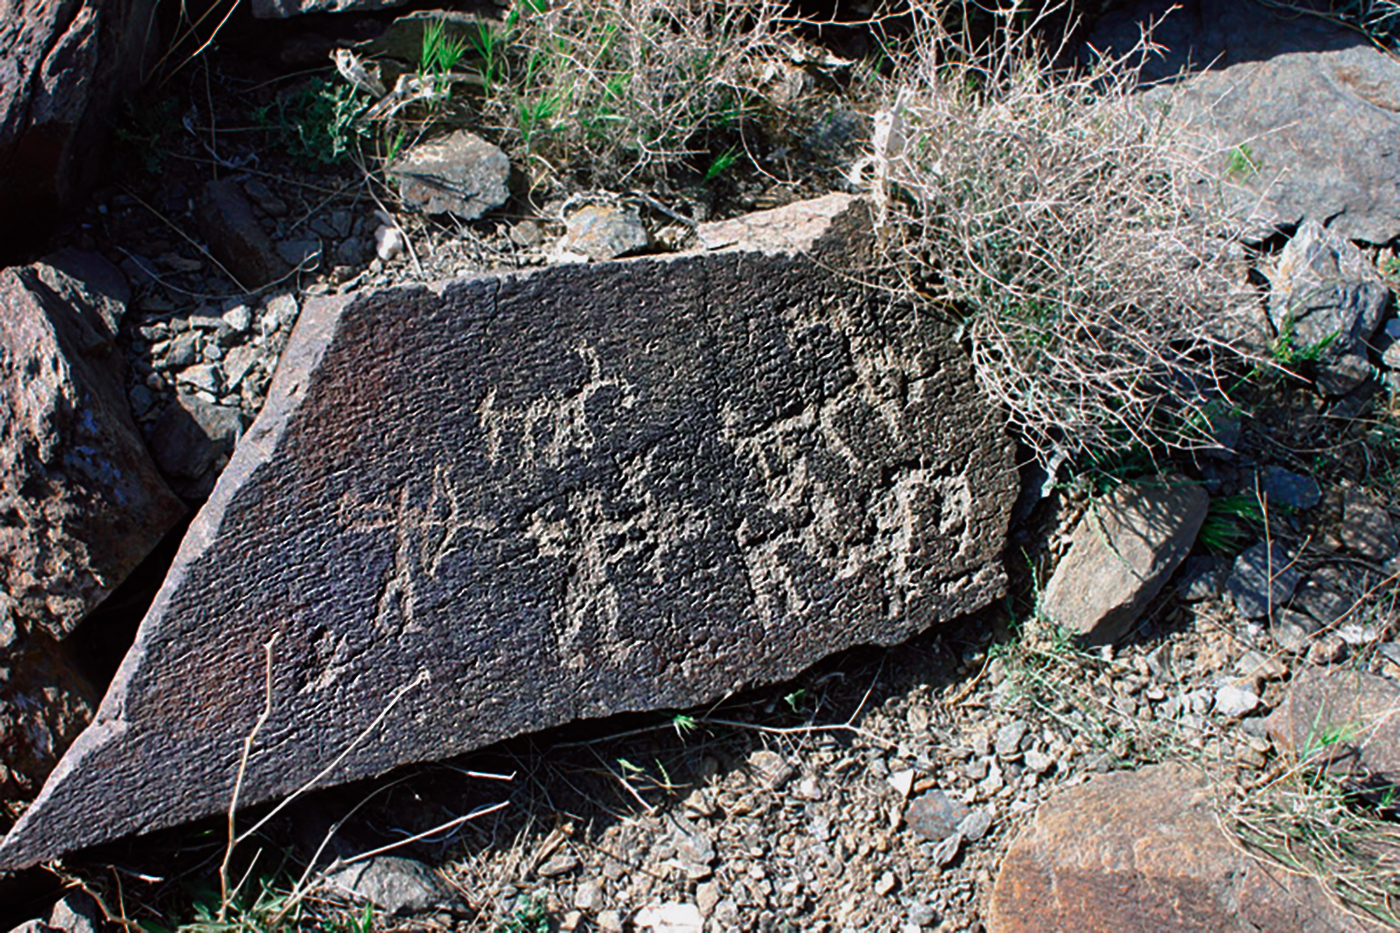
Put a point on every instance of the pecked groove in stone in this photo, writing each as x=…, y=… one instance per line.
x=503, y=503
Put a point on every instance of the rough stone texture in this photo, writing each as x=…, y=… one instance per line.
x=1351, y=717
x=460, y=174
x=505, y=503
x=604, y=231
x=236, y=238
x=44, y=705
x=1121, y=554
x=63, y=65
x=1366, y=527
x=284, y=9
x=1141, y=852
x=1317, y=104
x=1325, y=294
x=1264, y=577
x=393, y=884
x=188, y=440
x=81, y=503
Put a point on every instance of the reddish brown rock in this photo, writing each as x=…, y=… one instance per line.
x=44, y=704
x=1350, y=718
x=1121, y=554
x=1144, y=852
x=63, y=66
x=81, y=503
x=504, y=503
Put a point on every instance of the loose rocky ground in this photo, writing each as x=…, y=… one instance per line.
x=881, y=790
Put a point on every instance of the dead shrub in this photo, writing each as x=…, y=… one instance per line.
x=1066, y=224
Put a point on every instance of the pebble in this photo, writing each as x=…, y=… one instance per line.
x=935, y=816
x=886, y=884
x=1038, y=761
x=902, y=781
x=1008, y=740
x=1286, y=488
x=1292, y=631
x=771, y=769
x=1234, y=701
x=589, y=897
x=669, y=918
x=558, y=865
x=1329, y=649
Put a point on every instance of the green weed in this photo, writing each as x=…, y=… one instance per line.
x=721, y=164
x=1231, y=522
x=441, y=52
x=1241, y=163
x=320, y=122
x=530, y=916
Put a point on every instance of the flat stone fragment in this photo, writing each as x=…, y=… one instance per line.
x=1144, y=851
x=460, y=174
x=81, y=502
x=504, y=503
x=1121, y=554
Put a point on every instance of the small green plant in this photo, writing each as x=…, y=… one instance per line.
x=721, y=164
x=683, y=724
x=1287, y=353
x=320, y=122
x=441, y=52
x=1241, y=164
x=1231, y=521
x=530, y=916
x=796, y=700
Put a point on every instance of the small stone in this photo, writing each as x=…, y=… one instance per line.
x=1292, y=631
x=388, y=242
x=204, y=376
x=141, y=399
x=604, y=231
x=558, y=865
x=707, y=895
x=235, y=237
x=589, y=897
x=1233, y=701
x=771, y=769
x=1008, y=740
x=670, y=918
x=808, y=789
x=610, y=921
x=1329, y=649
x=1201, y=578
x=1255, y=664
x=1038, y=761
x=181, y=352
x=238, y=319
x=237, y=364
x=935, y=816
x=526, y=233
x=1294, y=490
x=460, y=174
x=885, y=884
x=396, y=885
x=947, y=850
x=1366, y=527
x=1322, y=596
x=301, y=253
x=902, y=781
x=975, y=825
x=1263, y=579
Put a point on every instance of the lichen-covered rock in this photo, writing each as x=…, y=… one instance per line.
x=504, y=503
x=81, y=503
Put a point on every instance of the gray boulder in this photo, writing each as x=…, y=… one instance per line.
x=1122, y=552
x=504, y=503
x=1313, y=105
x=1326, y=301
x=81, y=503
x=63, y=66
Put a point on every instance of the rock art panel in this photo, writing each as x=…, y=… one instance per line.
x=1314, y=104
x=504, y=503
x=81, y=502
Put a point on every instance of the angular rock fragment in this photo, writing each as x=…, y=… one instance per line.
x=1348, y=719
x=1122, y=552
x=504, y=503
x=236, y=238
x=1145, y=851
x=460, y=174
x=81, y=503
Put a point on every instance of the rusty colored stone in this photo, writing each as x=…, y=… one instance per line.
x=1142, y=852
x=505, y=503
x=1350, y=719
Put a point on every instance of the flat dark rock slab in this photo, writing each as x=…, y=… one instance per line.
x=505, y=503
